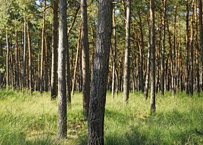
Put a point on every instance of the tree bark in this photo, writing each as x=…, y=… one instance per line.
x=163, y=48
x=187, y=51
x=100, y=74
x=54, y=51
x=46, y=65
x=127, y=48
x=85, y=59
x=17, y=65
x=152, y=44
x=7, y=60
x=201, y=35
x=11, y=64
x=191, y=50
x=30, y=57
x=24, y=53
x=113, y=53
x=42, y=50
x=196, y=52
x=62, y=104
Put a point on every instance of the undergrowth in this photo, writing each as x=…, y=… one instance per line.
x=26, y=119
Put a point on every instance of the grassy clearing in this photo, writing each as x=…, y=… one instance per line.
x=32, y=119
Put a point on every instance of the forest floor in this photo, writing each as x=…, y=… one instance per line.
x=26, y=119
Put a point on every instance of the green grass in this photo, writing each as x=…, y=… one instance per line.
x=26, y=119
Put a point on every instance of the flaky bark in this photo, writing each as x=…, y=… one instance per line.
x=100, y=74
x=62, y=104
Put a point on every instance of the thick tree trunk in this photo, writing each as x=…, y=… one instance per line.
x=127, y=49
x=196, y=52
x=201, y=35
x=54, y=51
x=62, y=104
x=30, y=57
x=152, y=45
x=42, y=50
x=163, y=48
x=100, y=74
x=17, y=66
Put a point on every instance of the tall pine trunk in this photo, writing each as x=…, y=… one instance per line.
x=11, y=64
x=54, y=51
x=30, y=59
x=201, y=35
x=7, y=60
x=16, y=57
x=114, y=53
x=127, y=49
x=42, y=49
x=163, y=48
x=187, y=51
x=152, y=45
x=62, y=104
x=24, y=53
x=100, y=74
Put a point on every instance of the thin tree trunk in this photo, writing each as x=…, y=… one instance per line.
x=76, y=62
x=54, y=51
x=85, y=59
x=163, y=48
x=62, y=104
x=113, y=52
x=127, y=48
x=191, y=50
x=7, y=60
x=46, y=65
x=42, y=50
x=100, y=74
x=24, y=53
x=196, y=52
x=11, y=65
x=30, y=57
x=141, y=55
x=187, y=50
x=201, y=35
x=17, y=66
x=180, y=60
x=152, y=44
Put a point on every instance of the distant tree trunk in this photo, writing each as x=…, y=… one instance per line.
x=196, y=52
x=152, y=45
x=42, y=50
x=187, y=51
x=11, y=64
x=54, y=51
x=158, y=54
x=24, y=53
x=201, y=34
x=180, y=60
x=127, y=48
x=148, y=69
x=62, y=104
x=113, y=52
x=163, y=48
x=191, y=50
x=76, y=62
x=17, y=68
x=7, y=60
x=141, y=55
x=174, y=58
x=100, y=74
x=46, y=65
x=30, y=57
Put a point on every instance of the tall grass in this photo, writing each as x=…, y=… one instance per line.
x=26, y=119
